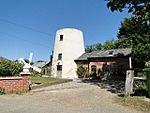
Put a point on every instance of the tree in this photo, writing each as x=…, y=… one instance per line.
x=9, y=68
x=98, y=46
x=89, y=48
x=109, y=44
x=133, y=33
x=139, y=8
x=132, y=26
x=82, y=72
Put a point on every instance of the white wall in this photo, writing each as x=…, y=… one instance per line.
x=71, y=48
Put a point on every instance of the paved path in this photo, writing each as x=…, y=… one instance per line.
x=73, y=97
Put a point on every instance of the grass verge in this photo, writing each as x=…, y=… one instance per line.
x=138, y=103
x=46, y=81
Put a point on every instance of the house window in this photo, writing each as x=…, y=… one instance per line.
x=60, y=56
x=61, y=38
x=59, y=67
x=93, y=69
x=110, y=52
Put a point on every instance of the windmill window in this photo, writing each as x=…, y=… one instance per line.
x=61, y=38
x=59, y=67
x=60, y=56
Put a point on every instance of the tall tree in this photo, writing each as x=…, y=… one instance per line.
x=133, y=33
x=139, y=8
x=89, y=48
x=98, y=46
x=109, y=44
x=93, y=47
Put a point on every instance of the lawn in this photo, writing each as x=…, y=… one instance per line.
x=45, y=81
x=136, y=102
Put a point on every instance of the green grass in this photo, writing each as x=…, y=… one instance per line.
x=44, y=81
x=135, y=102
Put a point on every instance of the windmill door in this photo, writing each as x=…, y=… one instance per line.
x=59, y=71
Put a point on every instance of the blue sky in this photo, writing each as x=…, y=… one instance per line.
x=30, y=25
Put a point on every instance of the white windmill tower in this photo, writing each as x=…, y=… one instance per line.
x=68, y=46
x=28, y=65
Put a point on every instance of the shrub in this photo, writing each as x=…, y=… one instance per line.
x=147, y=64
x=140, y=88
x=140, y=85
x=2, y=91
x=8, y=67
x=94, y=75
x=82, y=72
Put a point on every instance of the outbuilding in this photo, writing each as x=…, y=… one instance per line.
x=116, y=61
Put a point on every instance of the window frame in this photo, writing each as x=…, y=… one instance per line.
x=59, y=56
x=94, y=67
x=61, y=37
x=59, y=67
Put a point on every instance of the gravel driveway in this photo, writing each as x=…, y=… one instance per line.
x=70, y=97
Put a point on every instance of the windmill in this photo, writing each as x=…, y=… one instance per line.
x=28, y=65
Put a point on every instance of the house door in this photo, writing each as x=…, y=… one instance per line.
x=59, y=71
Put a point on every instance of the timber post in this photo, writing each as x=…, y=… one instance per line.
x=129, y=82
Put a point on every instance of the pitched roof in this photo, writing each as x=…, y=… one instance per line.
x=105, y=54
x=84, y=56
x=40, y=64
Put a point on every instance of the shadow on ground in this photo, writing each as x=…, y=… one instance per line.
x=114, y=86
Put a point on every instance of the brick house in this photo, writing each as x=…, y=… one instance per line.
x=116, y=60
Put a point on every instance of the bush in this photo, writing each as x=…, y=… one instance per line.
x=140, y=88
x=82, y=72
x=140, y=85
x=2, y=91
x=9, y=68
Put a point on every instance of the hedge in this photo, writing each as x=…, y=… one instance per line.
x=9, y=68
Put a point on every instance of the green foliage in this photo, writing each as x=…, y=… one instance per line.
x=9, y=68
x=109, y=44
x=139, y=8
x=133, y=33
x=89, y=48
x=82, y=72
x=136, y=35
x=94, y=47
x=98, y=46
x=147, y=64
x=135, y=29
x=140, y=85
x=2, y=91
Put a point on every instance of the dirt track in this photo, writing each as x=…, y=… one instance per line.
x=78, y=98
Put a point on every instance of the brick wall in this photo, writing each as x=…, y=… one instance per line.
x=12, y=84
x=118, y=66
x=111, y=61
